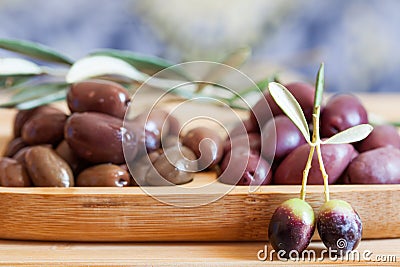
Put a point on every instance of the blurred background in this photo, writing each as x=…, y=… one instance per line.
x=357, y=39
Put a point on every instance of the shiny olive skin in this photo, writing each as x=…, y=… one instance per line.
x=140, y=167
x=24, y=115
x=98, y=96
x=48, y=169
x=377, y=166
x=291, y=227
x=44, y=129
x=336, y=159
x=97, y=138
x=14, y=146
x=280, y=131
x=381, y=136
x=339, y=226
x=103, y=175
x=250, y=140
x=207, y=144
x=242, y=166
x=176, y=166
x=340, y=113
x=304, y=94
x=66, y=153
x=13, y=174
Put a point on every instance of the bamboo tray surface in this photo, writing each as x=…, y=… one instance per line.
x=129, y=214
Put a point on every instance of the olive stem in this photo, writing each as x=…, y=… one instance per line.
x=305, y=173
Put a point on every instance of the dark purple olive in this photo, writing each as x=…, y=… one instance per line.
x=44, y=128
x=14, y=146
x=291, y=227
x=103, y=175
x=280, y=131
x=97, y=138
x=381, y=136
x=304, y=94
x=46, y=168
x=65, y=152
x=244, y=127
x=250, y=140
x=339, y=226
x=242, y=166
x=336, y=158
x=13, y=173
x=206, y=144
x=24, y=115
x=98, y=96
x=340, y=113
x=377, y=166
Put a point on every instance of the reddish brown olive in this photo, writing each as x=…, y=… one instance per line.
x=13, y=174
x=381, y=136
x=14, y=146
x=98, y=96
x=65, y=152
x=251, y=140
x=103, y=175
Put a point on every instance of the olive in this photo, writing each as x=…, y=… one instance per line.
x=377, y=166
x=98, y=96
x=304, y=94
x=103, y=175
x=46, y=168
x=336, y=158
x=24, y=115
x=66, y=153
x=291, y=227
x=280, y=137
x=44, y=129
x=206, y=144
x=12, y=173
x=250, y=140
x=340, y=113
x=141, y=166
x=339, y=226
x=244, y=127
x=97, y=138
x=14, y=146
x=381, y=136
x=243, y=166
x=176, y=166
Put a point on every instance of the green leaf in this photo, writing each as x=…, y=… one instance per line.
x=351, y=135
x=32, y=92
x=234, y=59
x=319, y=86
x=56, y=96
x=18, y=66
x=95, y=66
x=289, y=105
x=34, y=50
x=144, y=63
x=11, y=82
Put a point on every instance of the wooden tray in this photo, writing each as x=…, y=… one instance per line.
x=129, y=214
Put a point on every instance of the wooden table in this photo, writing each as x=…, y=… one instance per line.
x=31, y=253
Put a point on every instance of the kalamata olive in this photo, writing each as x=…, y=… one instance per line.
x=12, y=173
x=336, y=158
x=169, y=141
x=66, y=153
x=340, y=113
x=381, y=135
x=176, y=166
x=103, y=175
x=98, y=96
x=242, y=166
x=174, y=125
x=24, y=115
x=140, y=167
x=206, y=144
x=280, y=131
x=14, y=146
x=304, y=94
x=46, y=168
x=44, y=128
x=20, y=155
x=97, y=138
x=150, y=129
x=244, y=127
x=250, y=140
x=377, y=166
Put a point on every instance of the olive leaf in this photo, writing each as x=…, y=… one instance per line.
x=34, y=50
x=18, y=66
x=48, y=98
x=289, y=105
x=351, y=135
x=95, y=66
x=319, y=86
x=144, y=63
